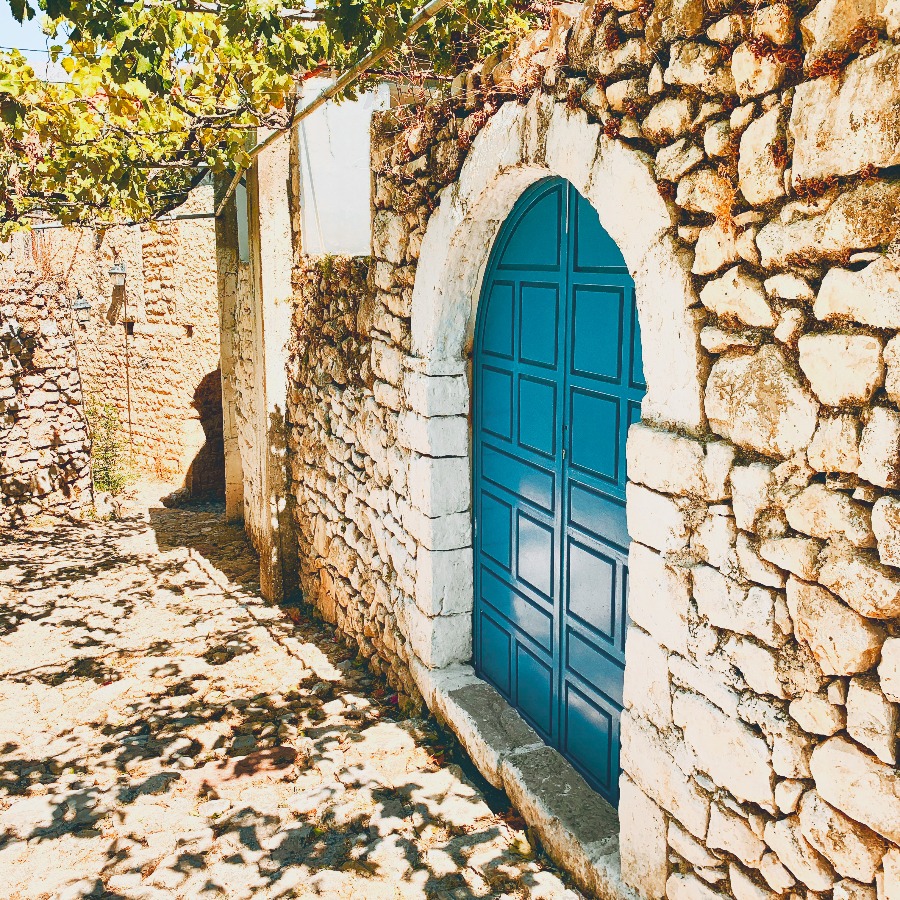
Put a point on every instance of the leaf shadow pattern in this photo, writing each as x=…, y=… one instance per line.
x=170, y=735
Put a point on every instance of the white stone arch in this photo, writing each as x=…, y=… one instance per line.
x=520, y=145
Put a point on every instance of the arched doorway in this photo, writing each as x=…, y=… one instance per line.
x=557, y=380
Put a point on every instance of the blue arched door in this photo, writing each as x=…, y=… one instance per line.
x=557, y=381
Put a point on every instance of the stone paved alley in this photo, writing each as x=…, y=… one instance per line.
x=164, y=733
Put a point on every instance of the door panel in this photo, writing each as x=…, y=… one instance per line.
x=558, y=380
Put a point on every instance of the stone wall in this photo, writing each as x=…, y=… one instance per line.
x=172, y=354
x=44, y=443
x=763, y=658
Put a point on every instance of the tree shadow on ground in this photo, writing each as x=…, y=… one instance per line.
x=196, y=756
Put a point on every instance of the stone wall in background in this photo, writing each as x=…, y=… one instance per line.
x=44, y=443
x=172, y=354
x=763, y=663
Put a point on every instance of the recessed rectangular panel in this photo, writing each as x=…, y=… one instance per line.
x=539, y=324
x=594, y=434
x=519, y=477
x=534, y=554
x=496, y=402
x=601, y=667
x=591, y=588
x=497, y=335
x=534, y=689
x=600, y=515
x=538, y=415
x=536, y=241
x=496, y=530
x=597, y=331
x=592, y=740
x=525, y=614
x=495, y=653
x=634, y=412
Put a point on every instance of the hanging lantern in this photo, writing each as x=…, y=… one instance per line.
x=118, y=273
x=82, y=309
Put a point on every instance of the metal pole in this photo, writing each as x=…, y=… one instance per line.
x=128, y=379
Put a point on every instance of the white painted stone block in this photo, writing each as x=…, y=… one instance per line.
x=655, y=519
x=444, y=581
x=439, y=641
x=436, y=436
x=439, y=487
x=659, y=597
x=642, y=842
x=431, y=395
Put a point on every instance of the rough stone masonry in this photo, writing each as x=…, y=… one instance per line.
x=763, y=659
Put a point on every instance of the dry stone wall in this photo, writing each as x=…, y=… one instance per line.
x=170, y=314
x=763, y=658
x=44, y=443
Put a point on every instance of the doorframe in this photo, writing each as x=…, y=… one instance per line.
x=520, y=145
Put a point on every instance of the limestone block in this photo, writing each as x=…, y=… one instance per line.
x=435, y=436
x=659, y=597
x=689, y=887
x=854, y=850
x=655, y=519
x=647, y=691
x=705, y=190
x=829, y=26
x=667, y=121
x=430, y=395
x=439, y=641
x=860, y=218
x=789, y=286
x=672, y=19
x=787, y=795
x=801, y=859
x=889, y=669
x=879, y=448
x=817, y=715
x=717, y=139
x=835, y=445
x=775, y=23
x=870, y=588
x=738, y=295
x=714, y=541
x=730, y=29
x=727, y=605
x=689, y=848
x=842, y=368
x=842, y=641
x=799, y=556
x=694, y=64
x=892, y=362
x=733, y=756
x=886, y=525
x=872, y=720
x=716, y=247
x=676, y=160
x=888, y=880
x=752, y=488
x=847, y=889
x=439, y=487
x=840, y=126
x=673, y=464
x=753, y=566
x=642, y=842
x=777, y=876
x=862, y=787
x=648, y=760
x=390, y=236
x=444, y=580
x=744, y=887
x=757, y=402
x=870, y=295
x=707, y=679
x=731, y=833
x=824, y=513
x=754, y=76
x=620, y=93
x=760, y=167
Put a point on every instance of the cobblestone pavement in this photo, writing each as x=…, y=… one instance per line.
x=164, y=733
